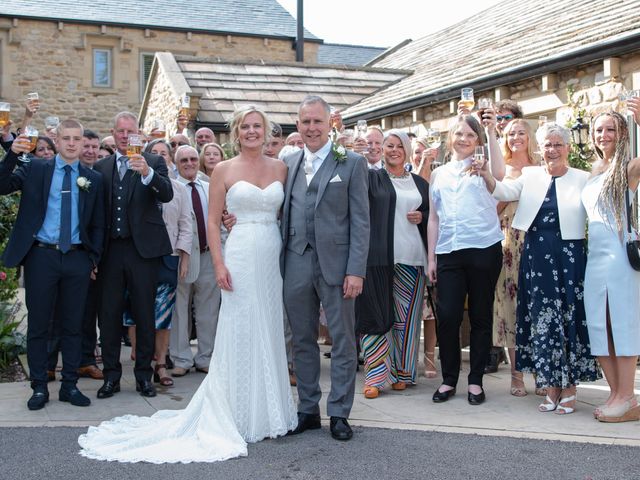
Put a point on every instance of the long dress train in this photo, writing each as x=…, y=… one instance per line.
x=246, y=397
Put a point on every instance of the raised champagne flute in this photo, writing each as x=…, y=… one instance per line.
x=185, y=103
x=466, y=98
x=33, y=102
x=483, y=104
x=434, y=140
x=361, y=127
x=5, y=111
x=478, y=161
x=32, y=134
x=542, y=119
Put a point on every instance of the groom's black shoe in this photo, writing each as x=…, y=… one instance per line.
x=73, y=396
x=340, y=429
x=39, y=398
x=146, y=388
x=108, y=389
x=306, y=421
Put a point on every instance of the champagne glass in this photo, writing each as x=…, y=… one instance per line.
x=466, y=98
x=50, y=125
x=135, y=143
x=158, y=128
x=361, y=126
x=185, y=103
x=478, y=160
x=5, y=110
x=32, y=133
x=542, y=119
x=33, y=102
x=433, y=138
x=483, y=104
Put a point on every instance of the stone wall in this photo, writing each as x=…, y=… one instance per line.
x=55, y=59
x=592, y=90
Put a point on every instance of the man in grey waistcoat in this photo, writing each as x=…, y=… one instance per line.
x=325, y=232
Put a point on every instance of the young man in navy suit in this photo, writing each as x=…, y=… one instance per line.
x=58, y=237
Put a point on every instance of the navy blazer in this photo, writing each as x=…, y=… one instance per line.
x=146, y=225
x=34, y=180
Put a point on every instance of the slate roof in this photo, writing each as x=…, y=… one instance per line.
x=500, y=42
x=277, y=88
x=265, y=18
x=354, y=55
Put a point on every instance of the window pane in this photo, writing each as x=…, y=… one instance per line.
x=102, y=68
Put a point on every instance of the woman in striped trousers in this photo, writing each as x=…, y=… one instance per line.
x=388, y=313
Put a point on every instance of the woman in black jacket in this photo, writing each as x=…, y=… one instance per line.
x=388, y=313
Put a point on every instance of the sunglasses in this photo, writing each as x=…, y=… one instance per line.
x=177, y=144
x=504, y=117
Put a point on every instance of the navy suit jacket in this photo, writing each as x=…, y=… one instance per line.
x=34, y=180
x=146, y=225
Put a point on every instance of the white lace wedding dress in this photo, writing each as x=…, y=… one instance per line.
x=246, y=396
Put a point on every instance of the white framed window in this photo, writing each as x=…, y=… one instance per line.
x=102, y=71
x=146, y=61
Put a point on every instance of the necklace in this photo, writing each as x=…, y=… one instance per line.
x=405, y=174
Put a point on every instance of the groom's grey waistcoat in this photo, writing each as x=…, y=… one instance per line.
x=302, y=211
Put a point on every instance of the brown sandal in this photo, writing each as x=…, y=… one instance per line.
x=164, y=381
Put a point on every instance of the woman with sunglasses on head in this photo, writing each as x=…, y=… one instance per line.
x=611, y=286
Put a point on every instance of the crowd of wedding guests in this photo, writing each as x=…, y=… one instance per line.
x=492, y=222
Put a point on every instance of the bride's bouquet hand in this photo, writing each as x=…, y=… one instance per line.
x=223, y=278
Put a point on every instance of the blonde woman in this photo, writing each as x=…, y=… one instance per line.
x=210, y=155
x=612, y=287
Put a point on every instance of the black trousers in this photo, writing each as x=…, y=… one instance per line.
x=55, y=282
x=123, y=269
x=89, y=331
x=473, y=272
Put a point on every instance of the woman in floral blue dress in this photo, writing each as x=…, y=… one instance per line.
x=552, y=340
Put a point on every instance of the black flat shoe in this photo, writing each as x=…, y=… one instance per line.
x=74, y=397
x=476, y=399
x=38, y=399
x=441, y=397
x=146, y=388
x=340, y=429
x=306, y=421
x=108, y=389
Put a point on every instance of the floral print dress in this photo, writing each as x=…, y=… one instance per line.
x=551, y=338
x=504, y=304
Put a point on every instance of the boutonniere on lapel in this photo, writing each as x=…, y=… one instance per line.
x=83, y=183
x=339, y=152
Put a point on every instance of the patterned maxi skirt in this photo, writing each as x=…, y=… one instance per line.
x=393, y=356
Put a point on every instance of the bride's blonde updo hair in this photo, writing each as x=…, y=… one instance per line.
x=237, y=119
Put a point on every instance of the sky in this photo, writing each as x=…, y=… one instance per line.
x=374, y=23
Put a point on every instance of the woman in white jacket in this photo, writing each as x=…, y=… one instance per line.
x=552, y=340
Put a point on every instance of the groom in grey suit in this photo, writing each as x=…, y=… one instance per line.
x=325, y=232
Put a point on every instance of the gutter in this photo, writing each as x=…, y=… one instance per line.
x=565, y=61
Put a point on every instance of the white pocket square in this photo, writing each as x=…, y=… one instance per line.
x=335, y=179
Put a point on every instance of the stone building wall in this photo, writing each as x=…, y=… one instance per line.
x=55, y=59
x=592, y=90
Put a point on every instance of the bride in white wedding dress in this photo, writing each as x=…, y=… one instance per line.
x=246, y=396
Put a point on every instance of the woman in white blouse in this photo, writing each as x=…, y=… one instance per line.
x=389, y=311
x=465, y=253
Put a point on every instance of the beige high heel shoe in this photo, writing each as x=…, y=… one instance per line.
x=430, y=370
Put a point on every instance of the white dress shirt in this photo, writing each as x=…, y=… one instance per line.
x=467, y=216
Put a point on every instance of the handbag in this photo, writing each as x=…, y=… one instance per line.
x=633, y=246
x=168, y=270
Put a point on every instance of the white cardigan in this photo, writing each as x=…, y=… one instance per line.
x=530, y=189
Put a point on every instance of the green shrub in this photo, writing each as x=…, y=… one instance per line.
x=12, y=342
